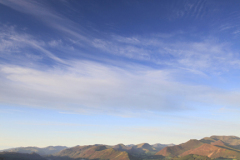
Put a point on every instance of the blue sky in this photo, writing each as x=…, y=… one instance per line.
x=87, y=72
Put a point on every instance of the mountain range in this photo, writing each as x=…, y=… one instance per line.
x=208, y=148
x=41, y=151
x=212, y=147
x=116, y=152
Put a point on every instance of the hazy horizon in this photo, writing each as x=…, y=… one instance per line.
x=109, y=72
x=75, y=145
x=7, y=147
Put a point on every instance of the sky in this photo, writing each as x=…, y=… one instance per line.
x=79, y=72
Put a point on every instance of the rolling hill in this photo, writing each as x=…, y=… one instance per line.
x=176, y=150
x=212, y=147
x=94, y=152
x=41, y=151
x=122, y=147
x=213, y=152
x=139, y=150
x=231, y=141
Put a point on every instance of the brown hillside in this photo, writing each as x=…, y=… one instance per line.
x=139, y=150
x=146, y=147
x=142, y=149
x=207, y=140
x=170, y=151
x=218, y=143
x=179, y=149
x=94, y=152
x=213, y=152
x=121, y=147
x=231, y=141
x=143, y=145
x=227, y=139
x=159, y=146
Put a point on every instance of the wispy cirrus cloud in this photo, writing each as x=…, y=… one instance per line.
x=203, y=55
x=85, y=86
x=89, y=87
x=166, y=70
x=15, y=44
x=208, y=55
x=79, y=85
x=51, y=18
x=189, y=9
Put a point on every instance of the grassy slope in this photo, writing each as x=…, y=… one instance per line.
x=213, y=147
x=94, y=152
x=213, y=151
x=231, y=141
x=179, y=149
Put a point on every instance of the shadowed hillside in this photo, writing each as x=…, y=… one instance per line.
x=140, y=150
x=122, y=147
x=159, y=146
x=20, y=156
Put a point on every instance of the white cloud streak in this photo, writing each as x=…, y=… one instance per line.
x=207, y=55
x=51, y=18
x=14, y=43
x=88, y=87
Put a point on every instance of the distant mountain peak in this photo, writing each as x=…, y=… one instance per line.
x=100, y=148
x=120, y=147
x=94, y=152
x=120, y=144
x=143, y=145
x=212, y=147
x=41, y=151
